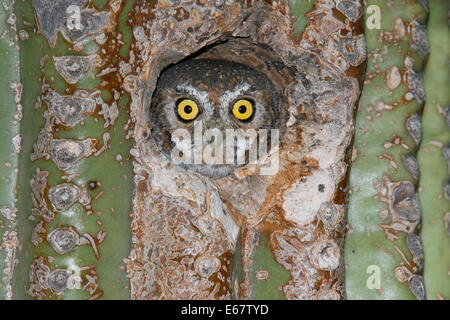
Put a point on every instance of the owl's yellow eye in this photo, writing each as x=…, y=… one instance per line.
x=187, y=109
x=242, y=109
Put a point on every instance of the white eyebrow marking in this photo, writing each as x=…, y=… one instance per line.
x=231, y=94
x=203, y=95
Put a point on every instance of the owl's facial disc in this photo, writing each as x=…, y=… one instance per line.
x=198, y=103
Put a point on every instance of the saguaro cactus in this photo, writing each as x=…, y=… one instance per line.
x=91, y=209
x=433, y=158
x=383, y=250
x=71, y=212
x=296, y=251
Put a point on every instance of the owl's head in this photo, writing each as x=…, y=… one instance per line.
x=200, y=106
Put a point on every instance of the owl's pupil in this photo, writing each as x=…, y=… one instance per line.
x=242, y=109
x=188, y=109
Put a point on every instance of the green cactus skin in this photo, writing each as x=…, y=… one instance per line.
x=433, y=165
x=262, y=259
x=299, y=9
x=101, y=222
x=10, y=99
x=381, y=143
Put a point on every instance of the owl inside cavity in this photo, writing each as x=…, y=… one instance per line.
x=218, y=95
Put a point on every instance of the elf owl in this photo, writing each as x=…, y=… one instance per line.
x=211, y=100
